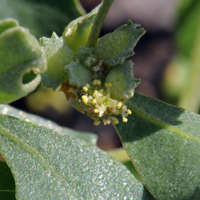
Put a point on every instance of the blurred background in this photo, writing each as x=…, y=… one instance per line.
x=167, y=58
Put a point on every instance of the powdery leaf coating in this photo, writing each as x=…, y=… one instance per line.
x=9, y=110
x=163, y=143
x=78, y=75
x=49, y=165
x=122, y=80
x=115, y=47
x=20, y=54
x=58, y=55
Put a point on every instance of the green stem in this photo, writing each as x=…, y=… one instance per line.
x=98, y=22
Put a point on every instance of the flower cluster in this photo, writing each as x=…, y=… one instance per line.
x=96, y=101
x=98, y=78
x=99, y=95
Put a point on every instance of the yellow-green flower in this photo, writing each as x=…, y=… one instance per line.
x=98, y=79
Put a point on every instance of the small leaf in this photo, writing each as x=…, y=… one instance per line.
x=78, y=31
x=163, y=143
x=8, y=110
x=7, y=184
x=58, y=55
x=115, y=47
x=122, y=80
x=78, y=74
x=50, y=165
x=20, y=53
x=86, y=57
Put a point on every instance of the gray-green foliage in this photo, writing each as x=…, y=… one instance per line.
x=163, y=143
x=20, y=52
x=52, y=165
x=51, y=162
x=41, y=16
x=8, y=110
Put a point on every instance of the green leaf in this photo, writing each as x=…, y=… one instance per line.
x=71, y=8
x=58, y=55
x=115, y=47
x=78, y=31
x=41, y=16
x=7, y=183
x=86, y=57
x=163, y=143
x=122, y=80
x=8, y=110
x=50, y=165
x=78, y=74
x=20, y=54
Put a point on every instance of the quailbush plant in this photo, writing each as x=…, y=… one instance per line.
x=46, y=161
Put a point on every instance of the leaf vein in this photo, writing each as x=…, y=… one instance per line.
x=159, y=122
x=33, y=151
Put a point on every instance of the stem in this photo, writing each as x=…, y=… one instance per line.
x=98, y=22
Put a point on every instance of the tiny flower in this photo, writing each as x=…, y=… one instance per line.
x=98, y=79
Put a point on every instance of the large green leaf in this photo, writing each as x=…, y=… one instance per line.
x=41, y=16
x=163, y=143
x=8, y=110
x=50, y=165
x=7, y=184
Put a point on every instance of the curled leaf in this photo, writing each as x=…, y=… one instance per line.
x=20, y=54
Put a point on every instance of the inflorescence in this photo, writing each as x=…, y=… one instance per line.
x=96, y=101
x=101, y=105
